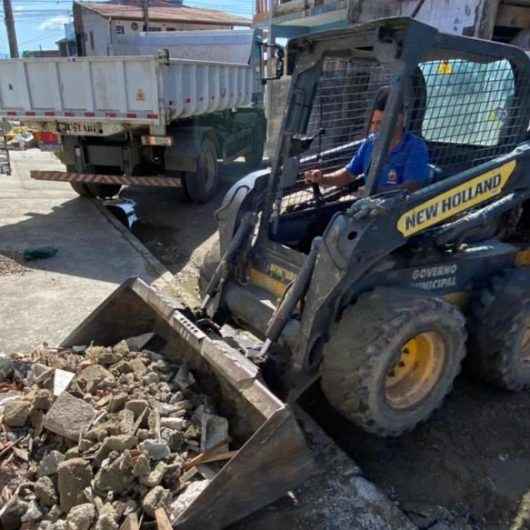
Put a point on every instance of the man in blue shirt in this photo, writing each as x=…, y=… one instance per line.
x=407, y=162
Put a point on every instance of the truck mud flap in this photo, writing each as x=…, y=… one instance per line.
x=272, y=454
x=92, y=178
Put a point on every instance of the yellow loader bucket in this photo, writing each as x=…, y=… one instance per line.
x=272, y=456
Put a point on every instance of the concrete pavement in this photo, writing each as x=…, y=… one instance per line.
x=54, y=295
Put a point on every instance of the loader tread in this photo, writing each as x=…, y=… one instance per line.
x=500, y=316
x=357, y=353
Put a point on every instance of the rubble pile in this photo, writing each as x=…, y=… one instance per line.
x=100, y=437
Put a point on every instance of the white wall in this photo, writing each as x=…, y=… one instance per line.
x=96, y=29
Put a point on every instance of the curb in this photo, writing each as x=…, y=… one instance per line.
x=159, y=275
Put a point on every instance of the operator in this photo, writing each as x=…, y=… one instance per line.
x=407, y=165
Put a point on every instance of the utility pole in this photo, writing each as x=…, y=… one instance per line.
x=145, y=7
x=10, y=26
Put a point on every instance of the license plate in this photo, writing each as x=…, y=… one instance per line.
x=81, y=128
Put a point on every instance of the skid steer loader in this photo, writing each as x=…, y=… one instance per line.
x=383, y=296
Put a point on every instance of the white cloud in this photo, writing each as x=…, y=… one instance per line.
x=54, y=23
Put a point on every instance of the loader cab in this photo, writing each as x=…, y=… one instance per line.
x=467, y=99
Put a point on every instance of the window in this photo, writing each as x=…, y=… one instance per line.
x=170, y=29
x=467, y=103
x=154, y=28
x=120, y=29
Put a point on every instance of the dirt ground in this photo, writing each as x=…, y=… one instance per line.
x=468, y=466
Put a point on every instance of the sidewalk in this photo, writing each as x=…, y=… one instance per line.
x=50, y=297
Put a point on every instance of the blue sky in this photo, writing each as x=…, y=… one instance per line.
x=40, y=23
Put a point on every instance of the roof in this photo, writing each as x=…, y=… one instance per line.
x=182, y=14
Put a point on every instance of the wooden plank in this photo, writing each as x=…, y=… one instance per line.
x=162, y=520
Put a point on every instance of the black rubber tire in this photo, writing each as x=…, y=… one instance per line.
x=254, y=157
x=104, y=191
x=498, y=321
x=201, y=186
x=212, y=257
x=367, y=342
x=81, y=189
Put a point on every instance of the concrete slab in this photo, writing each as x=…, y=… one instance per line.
x=52, y=296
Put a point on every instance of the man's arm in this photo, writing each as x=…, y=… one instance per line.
x=341, y=177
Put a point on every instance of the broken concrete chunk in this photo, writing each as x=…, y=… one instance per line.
x=138, y=367
x=81, y=517
x=16, y=413
x=175, y=424
x=141, y=467
x=156, y=476
x=106, y=522
x=126, y=417
x=122, y=348
x=42, y=399
x=61, y=381
x=179, y=506
x=155, y=449
x=96, y=377
x=137, y=406
x=45, y=491
x=150, y=378
x=115, y=443
x=6, y=368
x=139, y=342
x=115, y=476
x=184, y=378
x=69, y=416
x=36, y=419
x=73, y=477
x=214, y=432
x=49, y=464
x=156, y=498
x=117, y=402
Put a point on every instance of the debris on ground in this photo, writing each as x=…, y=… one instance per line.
x=11, y=262
x=103, y=437
x=31, y=254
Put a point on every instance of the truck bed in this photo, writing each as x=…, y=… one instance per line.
x=85, y=95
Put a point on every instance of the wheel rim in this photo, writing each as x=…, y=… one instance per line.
x=416, y=372
x=209, y=170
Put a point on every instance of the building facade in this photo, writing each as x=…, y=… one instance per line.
x=502, y=20
x=98, y=24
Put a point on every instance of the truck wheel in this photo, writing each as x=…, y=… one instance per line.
x=254, y=156
x=81, y=189
x=201, y=186
x=499, y=332
x=392, y=358
x=104, y=191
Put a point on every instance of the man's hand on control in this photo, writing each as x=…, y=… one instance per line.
x=313, y=176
